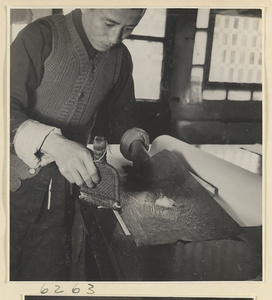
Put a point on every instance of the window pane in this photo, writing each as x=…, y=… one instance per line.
x=147, y=66
x=199, y=52
x=152, y=23
x=236, y=50
x=203, y=15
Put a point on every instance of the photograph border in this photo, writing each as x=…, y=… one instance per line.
x=251, y=289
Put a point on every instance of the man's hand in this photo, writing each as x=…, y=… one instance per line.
x=140, y=157
x=138, y=152
x=75, y=161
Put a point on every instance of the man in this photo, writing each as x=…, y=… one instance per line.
x=70, y=76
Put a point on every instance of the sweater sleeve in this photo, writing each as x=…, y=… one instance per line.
x=27, y=55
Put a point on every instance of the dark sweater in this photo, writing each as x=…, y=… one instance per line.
x=73, y=85
x=58, y=79
x=30, y=50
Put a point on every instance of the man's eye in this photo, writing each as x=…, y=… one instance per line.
x=129, y=28
x=109, y=24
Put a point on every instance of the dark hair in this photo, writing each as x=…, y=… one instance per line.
x=143, y=9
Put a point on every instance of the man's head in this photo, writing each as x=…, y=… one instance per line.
x=108, y=27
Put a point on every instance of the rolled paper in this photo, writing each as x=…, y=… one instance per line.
x=239, y=191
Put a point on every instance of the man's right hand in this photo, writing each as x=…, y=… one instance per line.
x=75, y=161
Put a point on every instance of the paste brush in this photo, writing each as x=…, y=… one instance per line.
x=106, y=194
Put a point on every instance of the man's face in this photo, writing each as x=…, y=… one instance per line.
x=108, y=27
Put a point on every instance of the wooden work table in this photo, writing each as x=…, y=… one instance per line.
x=118, y=258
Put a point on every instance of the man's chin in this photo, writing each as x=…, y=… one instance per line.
x=102, y=47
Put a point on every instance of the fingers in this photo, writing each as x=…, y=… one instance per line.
x=82, y=179
x=67, y=175
x=80, y=169
x=75, y=162
x=86, y=177
x=91, y=169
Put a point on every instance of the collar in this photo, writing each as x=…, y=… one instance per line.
x=79, y=27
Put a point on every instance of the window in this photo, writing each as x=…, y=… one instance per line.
x=219, y=107
x=227, y=60
x=236, y=50
x=234, y=53
x=146, y=46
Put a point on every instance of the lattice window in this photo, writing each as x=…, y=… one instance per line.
x=236, y=50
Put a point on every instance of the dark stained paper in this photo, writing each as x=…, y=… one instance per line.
x=196, y=216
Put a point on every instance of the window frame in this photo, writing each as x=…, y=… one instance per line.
x=167, y=59
x=210, y=33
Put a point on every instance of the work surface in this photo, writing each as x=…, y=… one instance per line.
x=119, y=258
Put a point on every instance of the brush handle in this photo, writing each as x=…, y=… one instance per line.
x=100, y=148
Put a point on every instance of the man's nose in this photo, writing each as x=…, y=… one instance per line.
x=114, y=35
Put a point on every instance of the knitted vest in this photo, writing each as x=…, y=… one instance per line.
x=73, y=86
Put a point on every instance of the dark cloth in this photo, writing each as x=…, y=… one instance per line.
x=40, y=247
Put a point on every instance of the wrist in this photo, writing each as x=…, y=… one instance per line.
x=130, y=136
x=28, y=142
x=52, y=142
x=138, y=151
